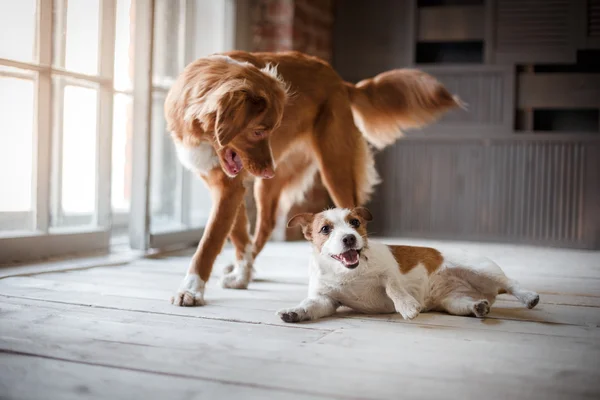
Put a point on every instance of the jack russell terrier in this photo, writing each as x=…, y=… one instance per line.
x=348, y=270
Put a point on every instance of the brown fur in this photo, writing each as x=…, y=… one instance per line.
x=311, y=227
x=227, y=196
x=408, y=257
x=397, y=100
x=363, y=215
x=226, y=104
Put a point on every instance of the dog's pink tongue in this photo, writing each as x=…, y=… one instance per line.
x=350, y=257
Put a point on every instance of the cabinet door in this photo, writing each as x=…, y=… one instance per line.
x=535, y=31
x=592, y=26
x=488, y=91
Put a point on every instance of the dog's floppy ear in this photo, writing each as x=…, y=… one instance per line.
x=235, y=110
x=364, y=213
x=305, y=221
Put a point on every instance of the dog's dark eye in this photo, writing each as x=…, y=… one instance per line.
x=259, y=133
x=326, y=229
x=354, y=223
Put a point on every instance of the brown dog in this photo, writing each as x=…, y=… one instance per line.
x=283, y=117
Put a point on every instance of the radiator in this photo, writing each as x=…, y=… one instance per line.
x=511, y=190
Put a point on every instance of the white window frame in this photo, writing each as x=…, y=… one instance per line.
x=142, y=237
x=45, y=240
x=197, y=37
x=222, y=15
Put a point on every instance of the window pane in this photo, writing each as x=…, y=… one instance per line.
x=18, y=22
x=124, y=45
x=164, y=165
x=16, y=153
x=166, y=52
x=78, y=167
x=82, y=32
x=121, y=152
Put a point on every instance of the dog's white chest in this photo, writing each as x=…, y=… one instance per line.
x=366, y=294
x=199, y=159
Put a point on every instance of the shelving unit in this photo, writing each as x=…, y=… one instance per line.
x=528, y=148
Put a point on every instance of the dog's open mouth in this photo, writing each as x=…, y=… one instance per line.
x=349, y=258
x=232, y=162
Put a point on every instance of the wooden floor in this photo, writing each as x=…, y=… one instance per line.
x=110, y=333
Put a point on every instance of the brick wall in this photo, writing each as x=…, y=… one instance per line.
x=302, y=25
x=306, y=26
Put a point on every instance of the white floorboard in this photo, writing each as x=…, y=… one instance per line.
x=110, y=333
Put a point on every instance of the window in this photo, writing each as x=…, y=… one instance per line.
x=74, y=83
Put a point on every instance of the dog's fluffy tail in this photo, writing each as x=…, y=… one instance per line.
x=401, y=99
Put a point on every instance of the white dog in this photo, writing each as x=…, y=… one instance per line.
x=348, y=270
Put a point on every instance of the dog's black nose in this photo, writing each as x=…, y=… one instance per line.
x=349, y=240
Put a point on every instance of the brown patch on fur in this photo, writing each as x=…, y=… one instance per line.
x=305, y=221
x=363, y=216
x=408, y=257
x=317, y=237
x=227, y=103
x=312, y=224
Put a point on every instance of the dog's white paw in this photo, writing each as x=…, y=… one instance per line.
x=481, y=308
x=293, y=314
x=239, y=277
x=190, y=292
x=531, y=299
x=409, y=309
x=228, y=269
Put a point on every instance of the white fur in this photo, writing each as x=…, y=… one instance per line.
x=341, y=228
x=464, y=284
x=199, y=159
x=269, y=69
x=190, y=292
x=297, y=193
x=367, y=182
x=239, y=275
x=230, y=60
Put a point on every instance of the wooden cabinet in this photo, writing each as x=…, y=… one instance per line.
x=521, y=164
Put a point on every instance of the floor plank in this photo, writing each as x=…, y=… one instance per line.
x=66, y=334
x=286, y=356
x=32, y=378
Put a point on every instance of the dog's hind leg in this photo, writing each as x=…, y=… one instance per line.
x=239, y=274
x=503, y=284
x=527, y=297
x=293, y=177
x=485, y=276
x=462, y=304
x=266, y=194
x=343, y=157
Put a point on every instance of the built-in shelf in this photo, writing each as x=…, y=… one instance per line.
x=451, y=23
x=576, y=120
x=450, y=53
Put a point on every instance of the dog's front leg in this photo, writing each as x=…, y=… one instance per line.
x=404, y=302
x=311, y=308
x=227, y=194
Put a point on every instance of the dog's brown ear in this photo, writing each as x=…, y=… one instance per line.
x=305, y=221
x=235, y=110
x=364, y=213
